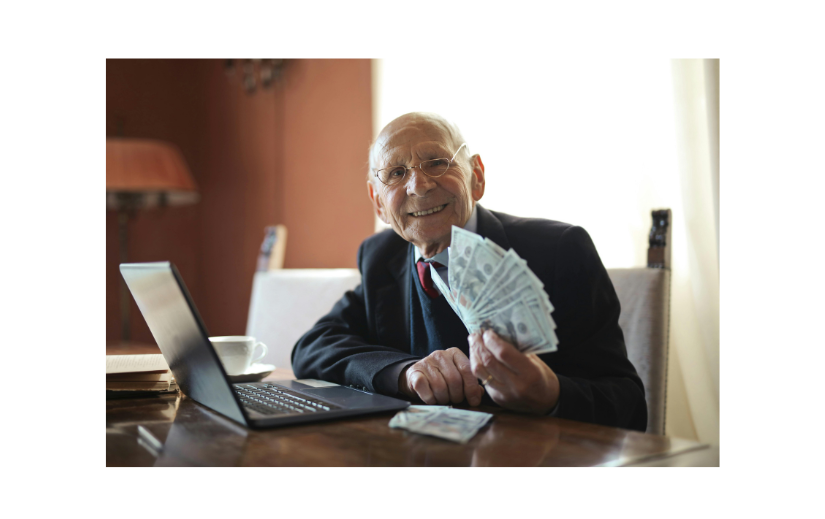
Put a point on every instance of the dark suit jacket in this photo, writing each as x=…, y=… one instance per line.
x=369, y=328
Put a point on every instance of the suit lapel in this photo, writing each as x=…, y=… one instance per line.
x=490, y=227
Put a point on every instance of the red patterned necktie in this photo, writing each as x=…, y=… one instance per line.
x=425, y=279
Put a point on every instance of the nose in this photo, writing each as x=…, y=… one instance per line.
x=418, y=183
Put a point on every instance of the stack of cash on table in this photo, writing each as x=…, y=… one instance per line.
x=491, y=288
x=457, y=425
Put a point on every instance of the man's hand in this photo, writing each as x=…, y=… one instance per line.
x=513, y=380
x=442, y=377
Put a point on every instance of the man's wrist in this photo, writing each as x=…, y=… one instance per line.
x=554, y=392
x=403, y=386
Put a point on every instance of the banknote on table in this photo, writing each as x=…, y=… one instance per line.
x=493, y=288
x=458, y=425
x=412, y=413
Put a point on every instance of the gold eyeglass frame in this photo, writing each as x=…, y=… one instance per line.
x=401, y=178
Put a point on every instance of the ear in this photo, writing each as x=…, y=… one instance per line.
x=376, y=202
x=477, y=181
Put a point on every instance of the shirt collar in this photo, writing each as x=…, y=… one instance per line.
x=443, y=257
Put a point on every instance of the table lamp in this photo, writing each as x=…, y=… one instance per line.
x=143, y=174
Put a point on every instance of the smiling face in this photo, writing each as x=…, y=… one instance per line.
x=422, y=209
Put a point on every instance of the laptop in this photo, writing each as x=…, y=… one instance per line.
x=174, y=321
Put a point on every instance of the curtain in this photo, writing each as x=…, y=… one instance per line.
x=694, y=333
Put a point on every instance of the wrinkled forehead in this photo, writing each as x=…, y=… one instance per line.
x=410, y=140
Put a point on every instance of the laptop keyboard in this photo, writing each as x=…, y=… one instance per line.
x=277, y=400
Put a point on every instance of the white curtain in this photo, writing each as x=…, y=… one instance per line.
x=598, y=144
x=695, y=333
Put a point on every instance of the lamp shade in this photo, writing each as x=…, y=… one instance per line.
x=147, y=172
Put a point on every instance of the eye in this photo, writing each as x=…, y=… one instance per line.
x=439, y=163
x=397, y=172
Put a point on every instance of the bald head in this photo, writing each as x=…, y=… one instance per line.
x=438, y=126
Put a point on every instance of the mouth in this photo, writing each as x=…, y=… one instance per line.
x=429, y=211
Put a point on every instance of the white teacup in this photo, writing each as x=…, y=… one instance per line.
x=236, y=352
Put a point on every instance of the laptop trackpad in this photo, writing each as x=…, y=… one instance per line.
x=316, y=383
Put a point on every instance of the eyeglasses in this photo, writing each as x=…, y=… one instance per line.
x=432, y=168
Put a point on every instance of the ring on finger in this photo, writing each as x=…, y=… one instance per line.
x=486, y=380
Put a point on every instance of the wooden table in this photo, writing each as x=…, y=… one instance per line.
x=177, y=431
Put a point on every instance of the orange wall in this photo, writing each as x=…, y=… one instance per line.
x=295, y=154
x=157, y=99
x=325, y=158
x=241, y=178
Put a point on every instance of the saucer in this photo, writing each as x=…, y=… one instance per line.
x=255, y=373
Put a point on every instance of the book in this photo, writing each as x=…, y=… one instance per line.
x=148, y=376
x=138, y=375
x=137, y=385
x=135, y=363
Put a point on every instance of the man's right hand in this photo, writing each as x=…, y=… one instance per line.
x=444, y=376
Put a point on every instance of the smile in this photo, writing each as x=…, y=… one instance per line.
x=429, y=211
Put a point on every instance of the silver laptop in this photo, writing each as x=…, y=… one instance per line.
x=181, y=335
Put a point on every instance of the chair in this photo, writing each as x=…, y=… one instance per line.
x=644, y=294
x=285, y=303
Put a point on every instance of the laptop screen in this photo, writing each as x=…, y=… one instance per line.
x=178, y=330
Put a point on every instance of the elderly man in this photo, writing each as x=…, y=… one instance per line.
x=396, y=335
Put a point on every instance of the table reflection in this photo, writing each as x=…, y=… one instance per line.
x=177, y=431
x=497, y=448
x=200, y=437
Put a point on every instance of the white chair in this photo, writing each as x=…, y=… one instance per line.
x=285, y=303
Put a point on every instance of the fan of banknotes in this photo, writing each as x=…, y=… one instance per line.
x=491, y=288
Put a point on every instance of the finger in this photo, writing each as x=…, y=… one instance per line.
x=505, y=353
x=452, y=376
x=502, y=375
x=497, y=395
x=419, y=383
x=437, y=384
x=476, y=364
x=472, y=390
x=495, y=387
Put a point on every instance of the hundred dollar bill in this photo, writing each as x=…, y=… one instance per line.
x=481, y=266
x=494, y=248
x=515, y=324
x=538, y=283
x=517, y=280
x=414, y=413
x=457, y=425
x=461, y=248
x=508, y=261
x=518, y=285
x=492, y=304
x=545, y=323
